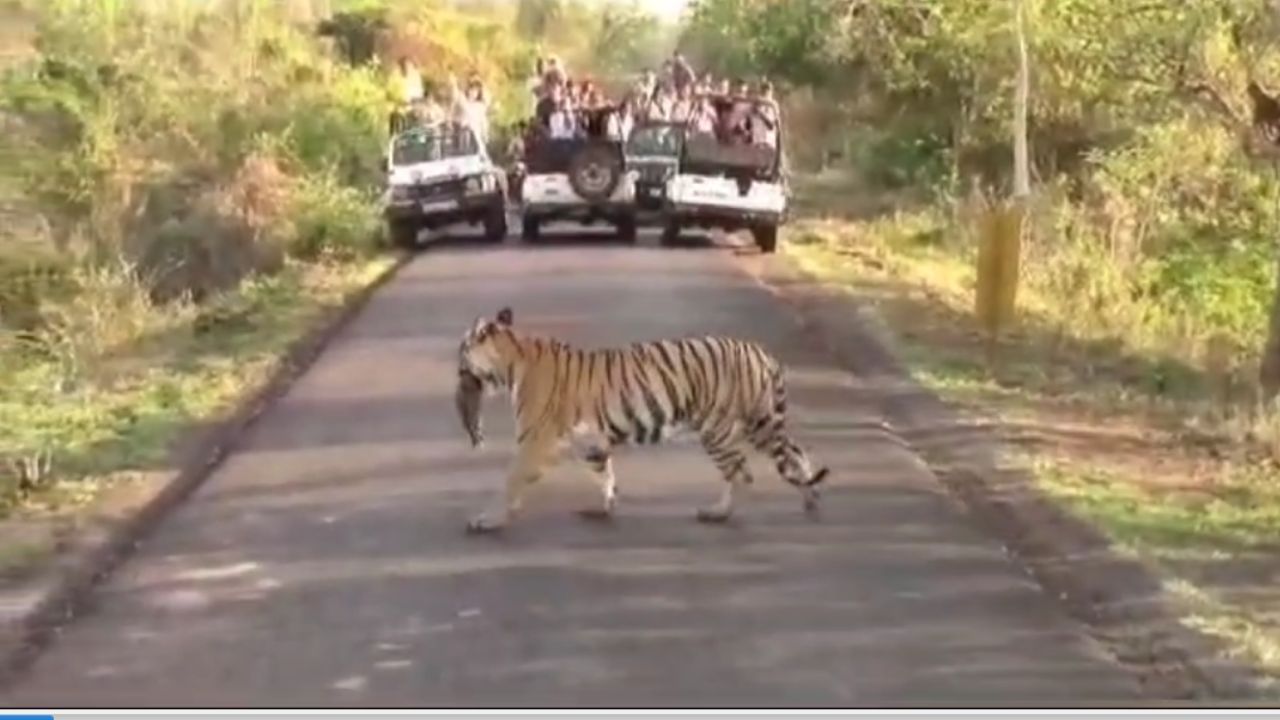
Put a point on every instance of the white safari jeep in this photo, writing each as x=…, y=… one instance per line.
x=439, y=175
x=580, y=179
x=729, y=186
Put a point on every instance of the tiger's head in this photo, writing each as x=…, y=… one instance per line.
x=481, y=366
x=484, y=354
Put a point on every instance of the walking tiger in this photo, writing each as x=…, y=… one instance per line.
x=727, y=391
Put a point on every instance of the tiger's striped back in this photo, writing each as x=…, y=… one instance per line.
x=643, y=393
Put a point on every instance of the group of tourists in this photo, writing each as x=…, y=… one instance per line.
x=565, y=107
x=467, y=103
x=734, y=112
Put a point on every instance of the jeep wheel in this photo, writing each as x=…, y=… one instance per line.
x=403, y=234
x=766, y=236
x=495, y=224
x=530, y=229
x=627, y=229
x=595, y=171
x=670, y=234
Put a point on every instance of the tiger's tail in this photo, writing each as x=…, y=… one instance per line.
x=769, y=434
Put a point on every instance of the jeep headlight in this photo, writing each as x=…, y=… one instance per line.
x=401, y=192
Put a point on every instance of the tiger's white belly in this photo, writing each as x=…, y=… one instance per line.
x=585, y=435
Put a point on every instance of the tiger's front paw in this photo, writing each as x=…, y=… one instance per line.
x=713, y=515
x=603, y=511
x=486, y=523
x=598, y=514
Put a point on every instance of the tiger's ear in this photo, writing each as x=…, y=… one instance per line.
x=505, y=317
x=478, y=327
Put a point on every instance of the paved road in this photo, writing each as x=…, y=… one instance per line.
x=325, y=563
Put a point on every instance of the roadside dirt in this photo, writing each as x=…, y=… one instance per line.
x=52, y=589
x=1121, y=599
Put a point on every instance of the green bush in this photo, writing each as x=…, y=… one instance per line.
x=909, y=158
x=330, y=220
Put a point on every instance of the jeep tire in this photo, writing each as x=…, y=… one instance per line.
x=595, y=171
x=530, y=228
x=627, y=229
x=766, y=237
x=403, y=234
x=495, y=224
x=670, y=234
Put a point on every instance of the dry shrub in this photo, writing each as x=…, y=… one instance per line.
x=193, y=239
x=29, y=274
x=108, y=314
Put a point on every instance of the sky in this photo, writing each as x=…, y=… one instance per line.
x=668, y=9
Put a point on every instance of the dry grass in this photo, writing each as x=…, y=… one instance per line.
x=99, y=397
x=1137, y=430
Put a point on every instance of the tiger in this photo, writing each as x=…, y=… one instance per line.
x=730, y=392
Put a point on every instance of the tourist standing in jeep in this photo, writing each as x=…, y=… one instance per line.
x=682, y=75
x=575, y=169
x=472, y=109
x=644, y=89
x=731, y=169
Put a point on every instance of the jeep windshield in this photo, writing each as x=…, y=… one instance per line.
x=430, y=144
x=656, y=140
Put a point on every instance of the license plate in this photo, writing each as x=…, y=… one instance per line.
x=428, y=207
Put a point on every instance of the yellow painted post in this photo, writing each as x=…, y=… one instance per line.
x=999, y=255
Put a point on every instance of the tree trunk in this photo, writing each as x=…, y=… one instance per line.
x=1269, y=373
x=1021, y=161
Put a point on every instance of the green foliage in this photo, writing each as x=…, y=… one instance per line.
x=331, y=220
x=356, y=33
x=1155, y=225
x=898, y=160
x=626, y=39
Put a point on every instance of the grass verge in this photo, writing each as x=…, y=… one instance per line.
x=100, y=407
x=1137, y=442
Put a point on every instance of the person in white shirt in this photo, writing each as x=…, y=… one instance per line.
x=410, y=82
x=473, y=110
x=644, y=89
x=560, y=121
x=621, y=122
x=563, y=124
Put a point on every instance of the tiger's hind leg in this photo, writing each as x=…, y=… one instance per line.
x=727, y=454
x=769, y=436
x=599, y=463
